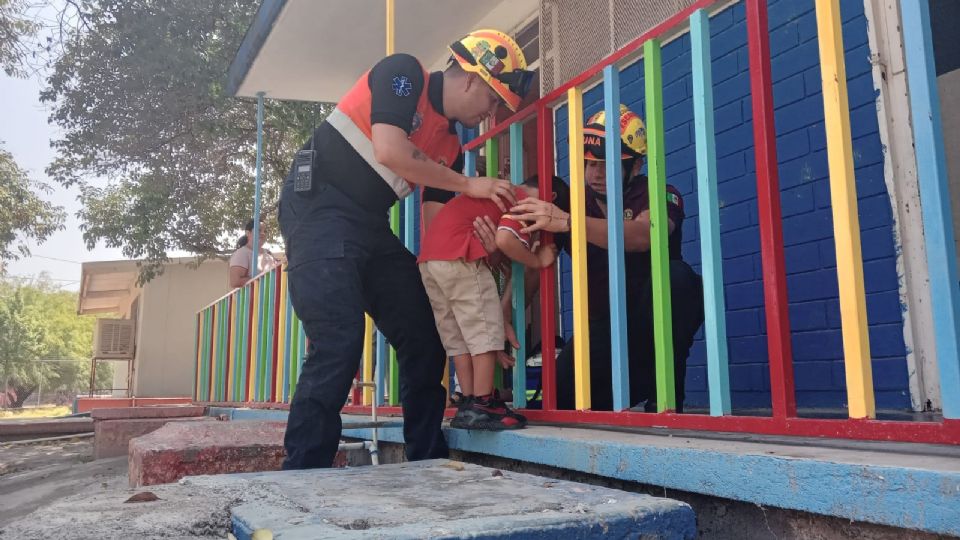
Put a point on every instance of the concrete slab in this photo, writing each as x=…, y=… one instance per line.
x=153, y=411
x=112, y=437
x=443, y=499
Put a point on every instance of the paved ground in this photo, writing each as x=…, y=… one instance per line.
x=56, y=491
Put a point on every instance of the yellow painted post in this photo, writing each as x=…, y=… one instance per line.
x=367, y=358
x=390, y=34
x=846, y=223
x=581, y=329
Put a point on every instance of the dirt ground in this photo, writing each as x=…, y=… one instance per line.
x=56, y=491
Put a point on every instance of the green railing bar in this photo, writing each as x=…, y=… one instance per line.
x=659, y=232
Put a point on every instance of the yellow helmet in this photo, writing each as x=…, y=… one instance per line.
x=498, y=60
x=633, y=136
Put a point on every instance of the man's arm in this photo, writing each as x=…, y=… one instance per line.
x=545, y=216
x=393, y=149
x=396, y=84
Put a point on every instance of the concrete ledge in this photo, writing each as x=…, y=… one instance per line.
x=181, y=449
x=911, y=486
x=262, y=415
x=154, y=411
x=88, y=404
x=23, y=429
x=903, y=485
x=442, y=499
x=112, y=437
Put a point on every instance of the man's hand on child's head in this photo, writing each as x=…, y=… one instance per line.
x=546, y=255
x=499, y=191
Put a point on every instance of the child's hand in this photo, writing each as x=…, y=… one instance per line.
x=546, y=255
x=505, y=360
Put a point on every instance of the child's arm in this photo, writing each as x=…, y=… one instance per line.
x=512, y=247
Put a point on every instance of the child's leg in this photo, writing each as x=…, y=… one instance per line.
x=483, y=368
x=464, y=368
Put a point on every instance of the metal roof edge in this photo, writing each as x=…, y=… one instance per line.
x=257, y=34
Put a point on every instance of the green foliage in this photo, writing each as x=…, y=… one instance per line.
x=25, y=218
x=15, y=29
x=43, y=342
x=139, y=96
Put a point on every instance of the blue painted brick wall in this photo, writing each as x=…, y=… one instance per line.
x=805, y=198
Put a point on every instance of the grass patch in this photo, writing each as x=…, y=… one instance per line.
x=36, y=412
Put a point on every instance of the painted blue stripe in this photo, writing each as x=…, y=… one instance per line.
x=519, y=297
x=380, y=369
x=301, y=357
x=934, y=198
x=253, y=41
x=268, y=350
x=409, y=221
x=469, y=158
x=715, y=324
x=619, y=354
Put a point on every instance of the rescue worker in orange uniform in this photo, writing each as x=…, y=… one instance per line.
x=393, y=131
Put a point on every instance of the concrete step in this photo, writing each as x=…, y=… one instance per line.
x=442, y=499
x=181, y=449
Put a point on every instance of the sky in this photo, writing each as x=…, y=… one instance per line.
x=26, y=134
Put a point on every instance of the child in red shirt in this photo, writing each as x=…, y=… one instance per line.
x=466, y=302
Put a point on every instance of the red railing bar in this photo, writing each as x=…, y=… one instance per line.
x=590, y=72
x=548, y=294
x=946, y=432
x=779, y=349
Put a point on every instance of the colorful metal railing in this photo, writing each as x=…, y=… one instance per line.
x=244, y=362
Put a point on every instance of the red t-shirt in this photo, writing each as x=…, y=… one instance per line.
x=450, y=235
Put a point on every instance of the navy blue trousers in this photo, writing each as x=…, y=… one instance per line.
x=687, y=298
x=344, y=261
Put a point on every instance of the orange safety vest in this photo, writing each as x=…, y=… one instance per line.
x=430, y=132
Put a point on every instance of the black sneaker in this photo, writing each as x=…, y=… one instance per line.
x=457, y=400
x=484, y=414
x=497, y=400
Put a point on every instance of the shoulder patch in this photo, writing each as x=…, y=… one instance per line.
x=402, y=86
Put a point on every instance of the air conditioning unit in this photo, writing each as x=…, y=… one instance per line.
x=114, y=339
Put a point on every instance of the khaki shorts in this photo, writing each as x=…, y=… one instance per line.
x=466, y=306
